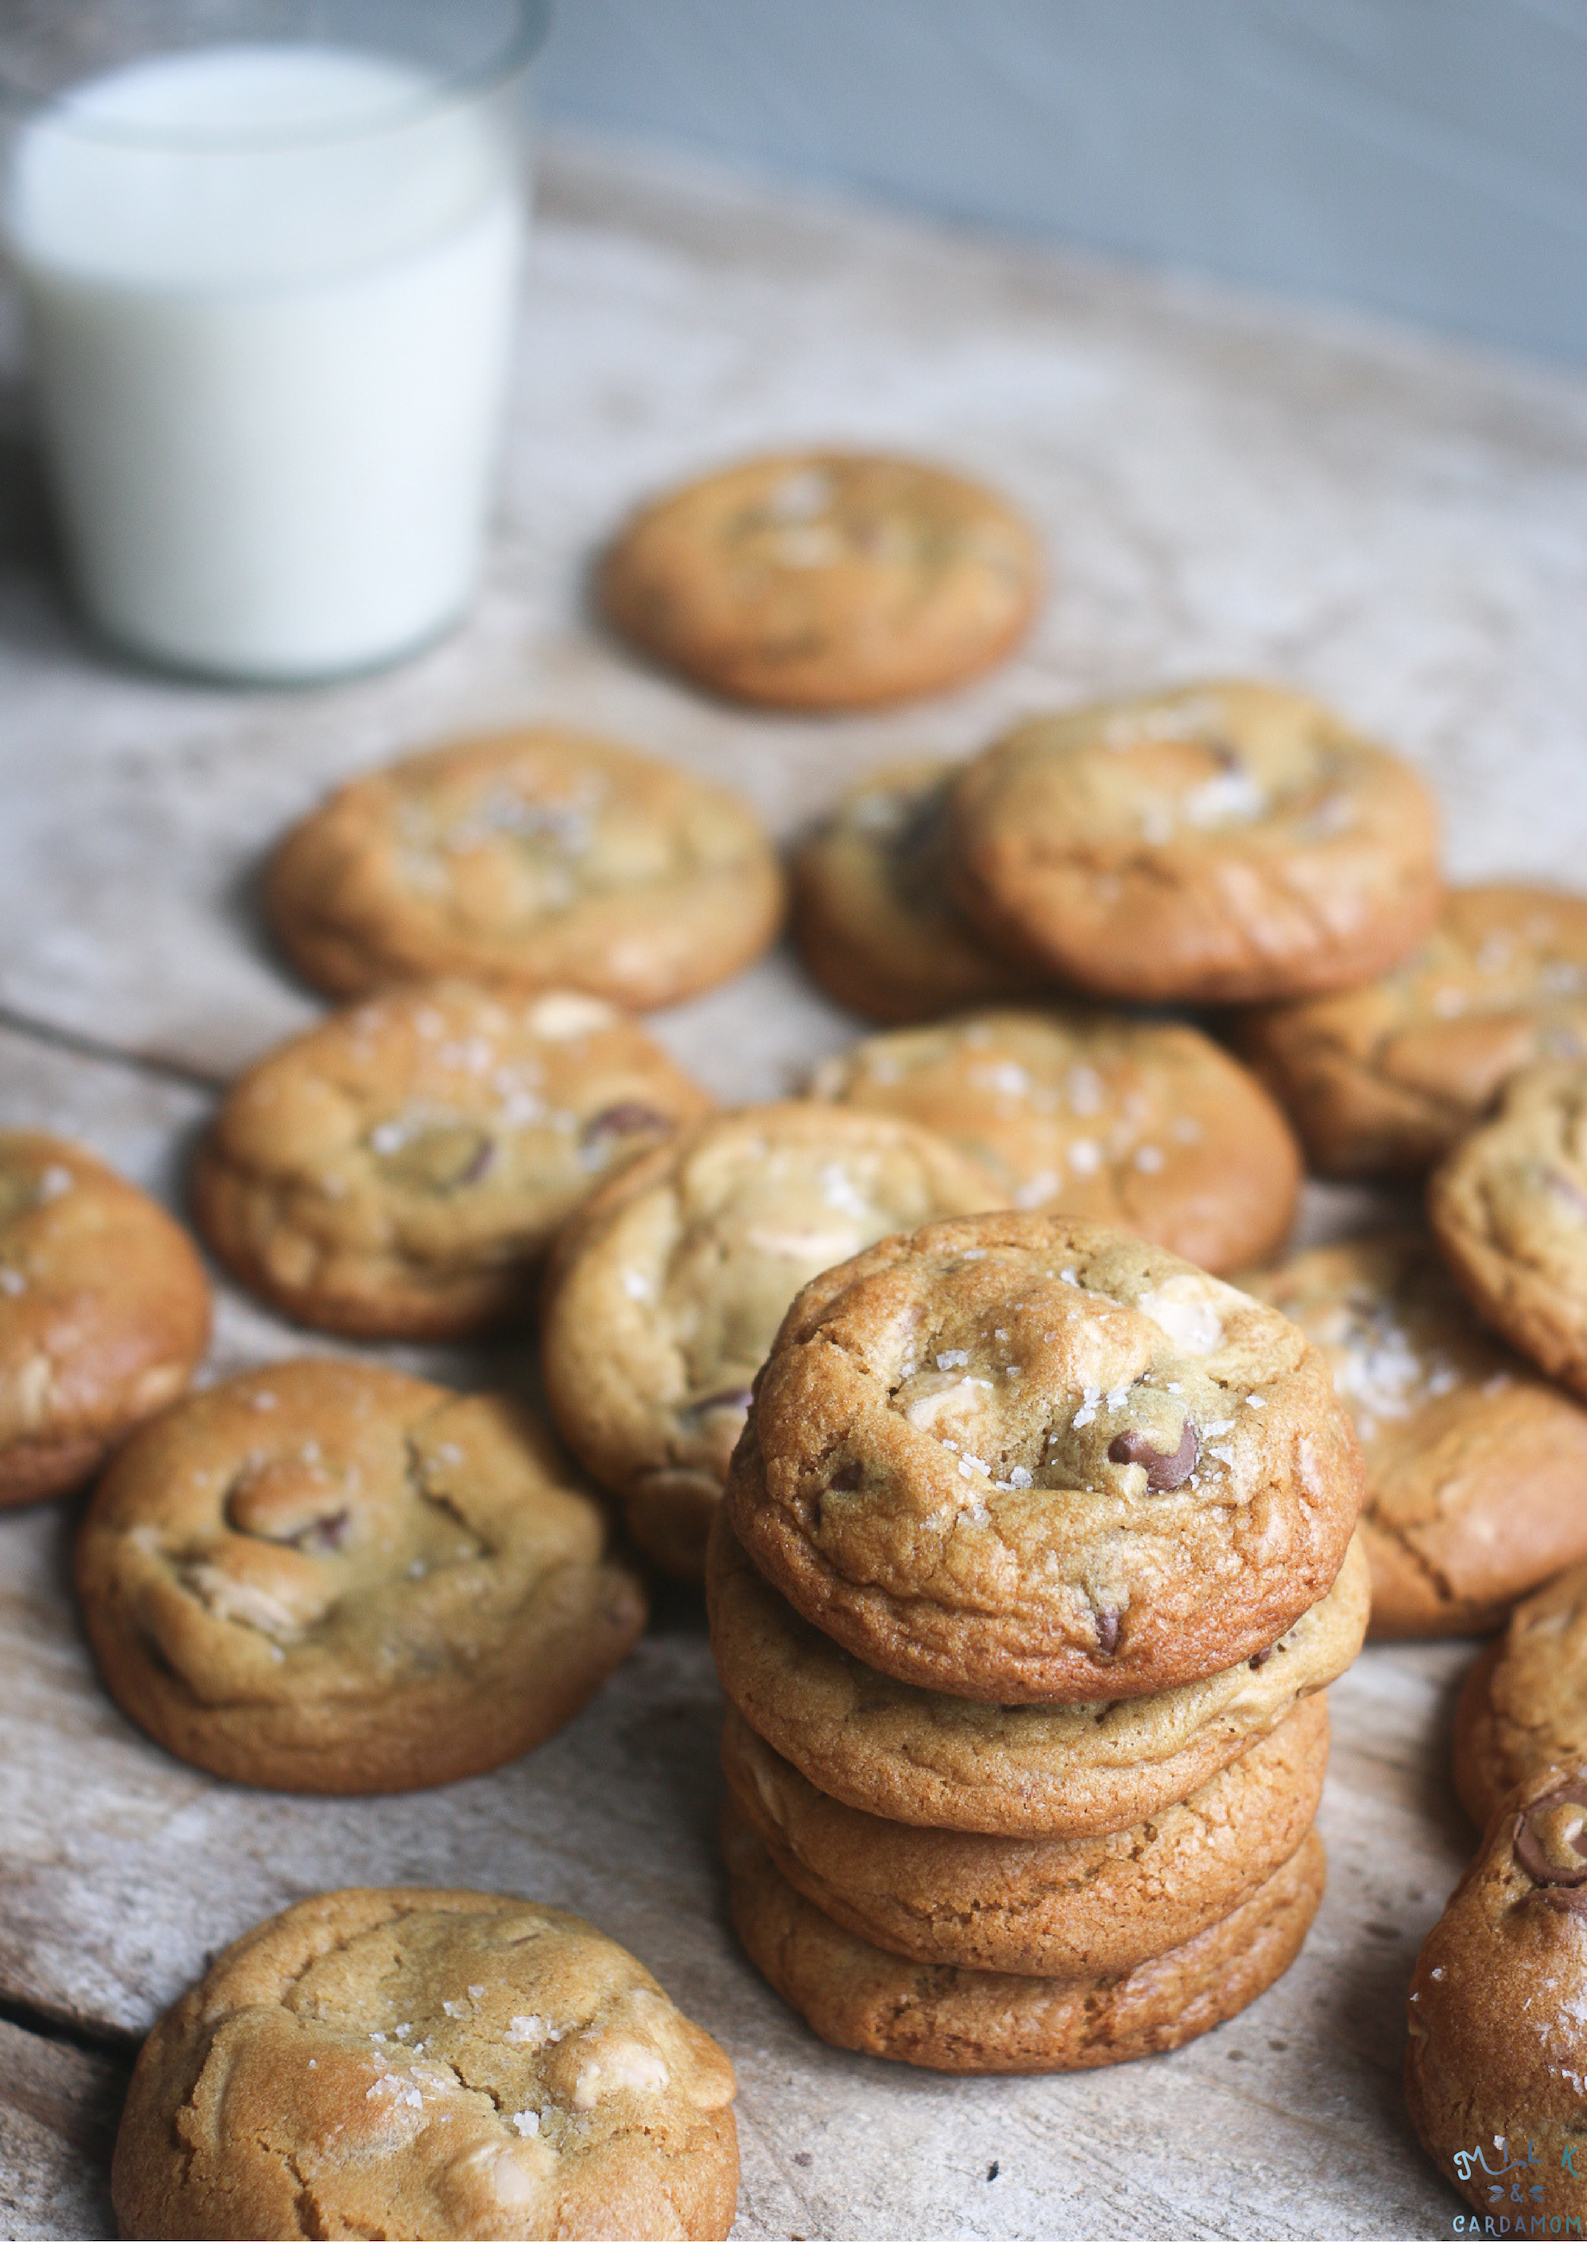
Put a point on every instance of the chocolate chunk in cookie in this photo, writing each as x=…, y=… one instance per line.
x=925, y=1473
x=544, y=857
x=333, y=1579
x=399, y=1169
x=1226, y=842
x=1145, y=1124
x=425, y=2062
x=104, y=1313
x=825, y=580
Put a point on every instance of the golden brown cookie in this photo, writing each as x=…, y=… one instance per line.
x=1145, y=1124
x=104, y=1313
x=398, y=1169
x=666, y=1290
x=1525, y=1700
x=1053, y=1770
x=1475, y=1466
x=1509, y=1208
x=1225, y=842
x=1025, y=1457
x=1493, y=2069
x=871, y=912
x=825, y=580
x=334, y=1579
x=425, y=2062
x=956, y=2021
x=1061, y=1909
x=544, y=857
x=1384, y=1080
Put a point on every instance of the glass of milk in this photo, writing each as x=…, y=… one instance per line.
x=268, y=250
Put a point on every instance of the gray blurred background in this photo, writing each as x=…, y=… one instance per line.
x=1422, y=158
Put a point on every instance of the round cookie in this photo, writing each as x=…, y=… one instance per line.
x=1493, y=2067
x=665, y=1291
x=426, y=2062
x=1475, y=1467
x=1145, y=1124
x=1524, y=1704
x=961, y=2022
x=104, y=1313
x=545, y=857
x=1055, y=1771
x=397, y=1169
x=1016, y=1458
x=1225, y=842
x=1049, y=1908
x=331, y=1578
x=1509, y=1208
x=871, y=914
x=1385, y=1080
x=824, y=580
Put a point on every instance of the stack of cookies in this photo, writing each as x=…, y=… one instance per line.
x=1033, y=1559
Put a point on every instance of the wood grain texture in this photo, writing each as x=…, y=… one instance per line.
x=59, y=2106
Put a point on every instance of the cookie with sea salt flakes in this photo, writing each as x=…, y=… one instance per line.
x=1386, y=1079
x=1054, y=1908
x=1052, y=1770
x=1026, y=1457
x=398, y=1169
x=666, y=1290
x=825, y=580
x=427, y=2062
x=966, y=2022
x=1509, y=1208
x=104, y=1313
x=1145, y=1124
x=331, y=1578
x=1475, y=1466
x=871, y=913
x=544, y=857
x=1493, y=2066
x=1524, y=1703
x=1227, y=842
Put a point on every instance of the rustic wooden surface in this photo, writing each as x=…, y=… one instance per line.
x=1402, y=529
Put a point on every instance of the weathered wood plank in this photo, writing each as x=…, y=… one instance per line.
x=59, y=2107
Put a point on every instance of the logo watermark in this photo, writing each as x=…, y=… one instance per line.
x=1517, y=2204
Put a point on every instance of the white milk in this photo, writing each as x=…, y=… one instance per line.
x=271, y=294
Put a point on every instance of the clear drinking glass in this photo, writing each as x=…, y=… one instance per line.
x=269, y=253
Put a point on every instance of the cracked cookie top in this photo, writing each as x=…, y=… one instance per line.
x=545, y=857
x=398, y=1169
x=825, y=580
x=1474, y=1464
x=1025, y=1457
x=427, y=2062
x=1225, y=842
x=1145, y=1124
x=334, y=1578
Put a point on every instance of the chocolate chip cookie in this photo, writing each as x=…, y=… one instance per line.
x=871, y=914
x=104, y=1313
x=667, y=1288
x=1493, y=2068
x=1024, y=1457
x=963, y=2022
x=1226, y=842
x=1475, y=1466
x=1525, y=1701
x=825, y=580
x=398, y=1169
x=1057, y=1771
x=1144, y=1124
x=334, y=1579
x=1064, y=1909
x=1509, y=1208
x=1384, y=1080
x=425, y=2062
x=546, y=857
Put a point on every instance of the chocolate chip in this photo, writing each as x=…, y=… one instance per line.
x=848, y=1476
x=481, y=1163
x=326, y=1534
x=1107, y=1629
x=1550, y=1843
x=623, y=1120
x=730, y=1399
x=1164, y=1470
x=1257, y=1659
